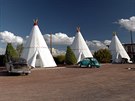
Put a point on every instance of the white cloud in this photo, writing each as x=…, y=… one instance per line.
x=27, y=37
x=63, y=39
x=56, y=52
x=129, y=24
x=95, y=45
x=59, y=39
x=9, y=37
x=2, y=50
x=107, y=42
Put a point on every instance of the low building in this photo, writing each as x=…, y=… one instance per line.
x=130, y=48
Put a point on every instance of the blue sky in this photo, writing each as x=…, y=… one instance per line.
x=95, y=17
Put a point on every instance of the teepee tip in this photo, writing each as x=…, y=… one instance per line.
x=78, y=29
x=114, y=33
x=35, y=21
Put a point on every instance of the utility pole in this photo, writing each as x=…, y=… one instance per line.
x=132, y=47
x=51, y=43
x=131, y=37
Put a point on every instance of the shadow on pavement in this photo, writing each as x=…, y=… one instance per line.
x=4, y=72
x=131, y=68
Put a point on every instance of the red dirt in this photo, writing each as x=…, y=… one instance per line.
x=111, y=82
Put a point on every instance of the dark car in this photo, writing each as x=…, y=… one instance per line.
x=19, y=66
x=89, y=62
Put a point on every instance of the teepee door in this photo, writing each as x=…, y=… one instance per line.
x=38, y=63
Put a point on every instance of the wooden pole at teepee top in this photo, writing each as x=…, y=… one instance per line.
x=114, y=33
x=35, y=21
x=78, y=29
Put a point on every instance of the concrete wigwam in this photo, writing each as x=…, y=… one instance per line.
x=36, y=51
x=117, y=50
x=80, y=47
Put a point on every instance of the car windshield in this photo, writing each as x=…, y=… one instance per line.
x=86, y=59
x=93, y=59
x=19, y=61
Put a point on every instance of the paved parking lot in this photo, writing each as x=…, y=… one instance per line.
x=111, y=82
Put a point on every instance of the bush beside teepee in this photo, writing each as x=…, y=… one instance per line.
x=60, y=59
x=10, y=52
x=70, y=58
x=103, y=55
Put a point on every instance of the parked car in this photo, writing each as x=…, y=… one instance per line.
x=19, y=66
x=89, y=62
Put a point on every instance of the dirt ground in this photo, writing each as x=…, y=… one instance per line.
x=111, y=82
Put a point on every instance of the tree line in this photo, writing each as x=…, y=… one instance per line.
x=102, y=55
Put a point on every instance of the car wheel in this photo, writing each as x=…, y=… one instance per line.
x=97, y=66
x=26, y=73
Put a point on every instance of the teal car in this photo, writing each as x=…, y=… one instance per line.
x=89, y=62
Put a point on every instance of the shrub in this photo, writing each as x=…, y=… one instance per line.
x=103, y=55
x=70, y=58
x=19, y=49
x=10, y=52
x=60, y=59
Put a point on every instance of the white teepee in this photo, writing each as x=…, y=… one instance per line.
x=36, y=51
x=80, y=47
x=117, y=50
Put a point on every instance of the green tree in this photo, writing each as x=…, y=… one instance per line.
x=70, y=58
x=19, y=49
x=10, y=52
x=103, y=55
x=60, y=59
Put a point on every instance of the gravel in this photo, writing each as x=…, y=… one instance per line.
x=111, y=82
